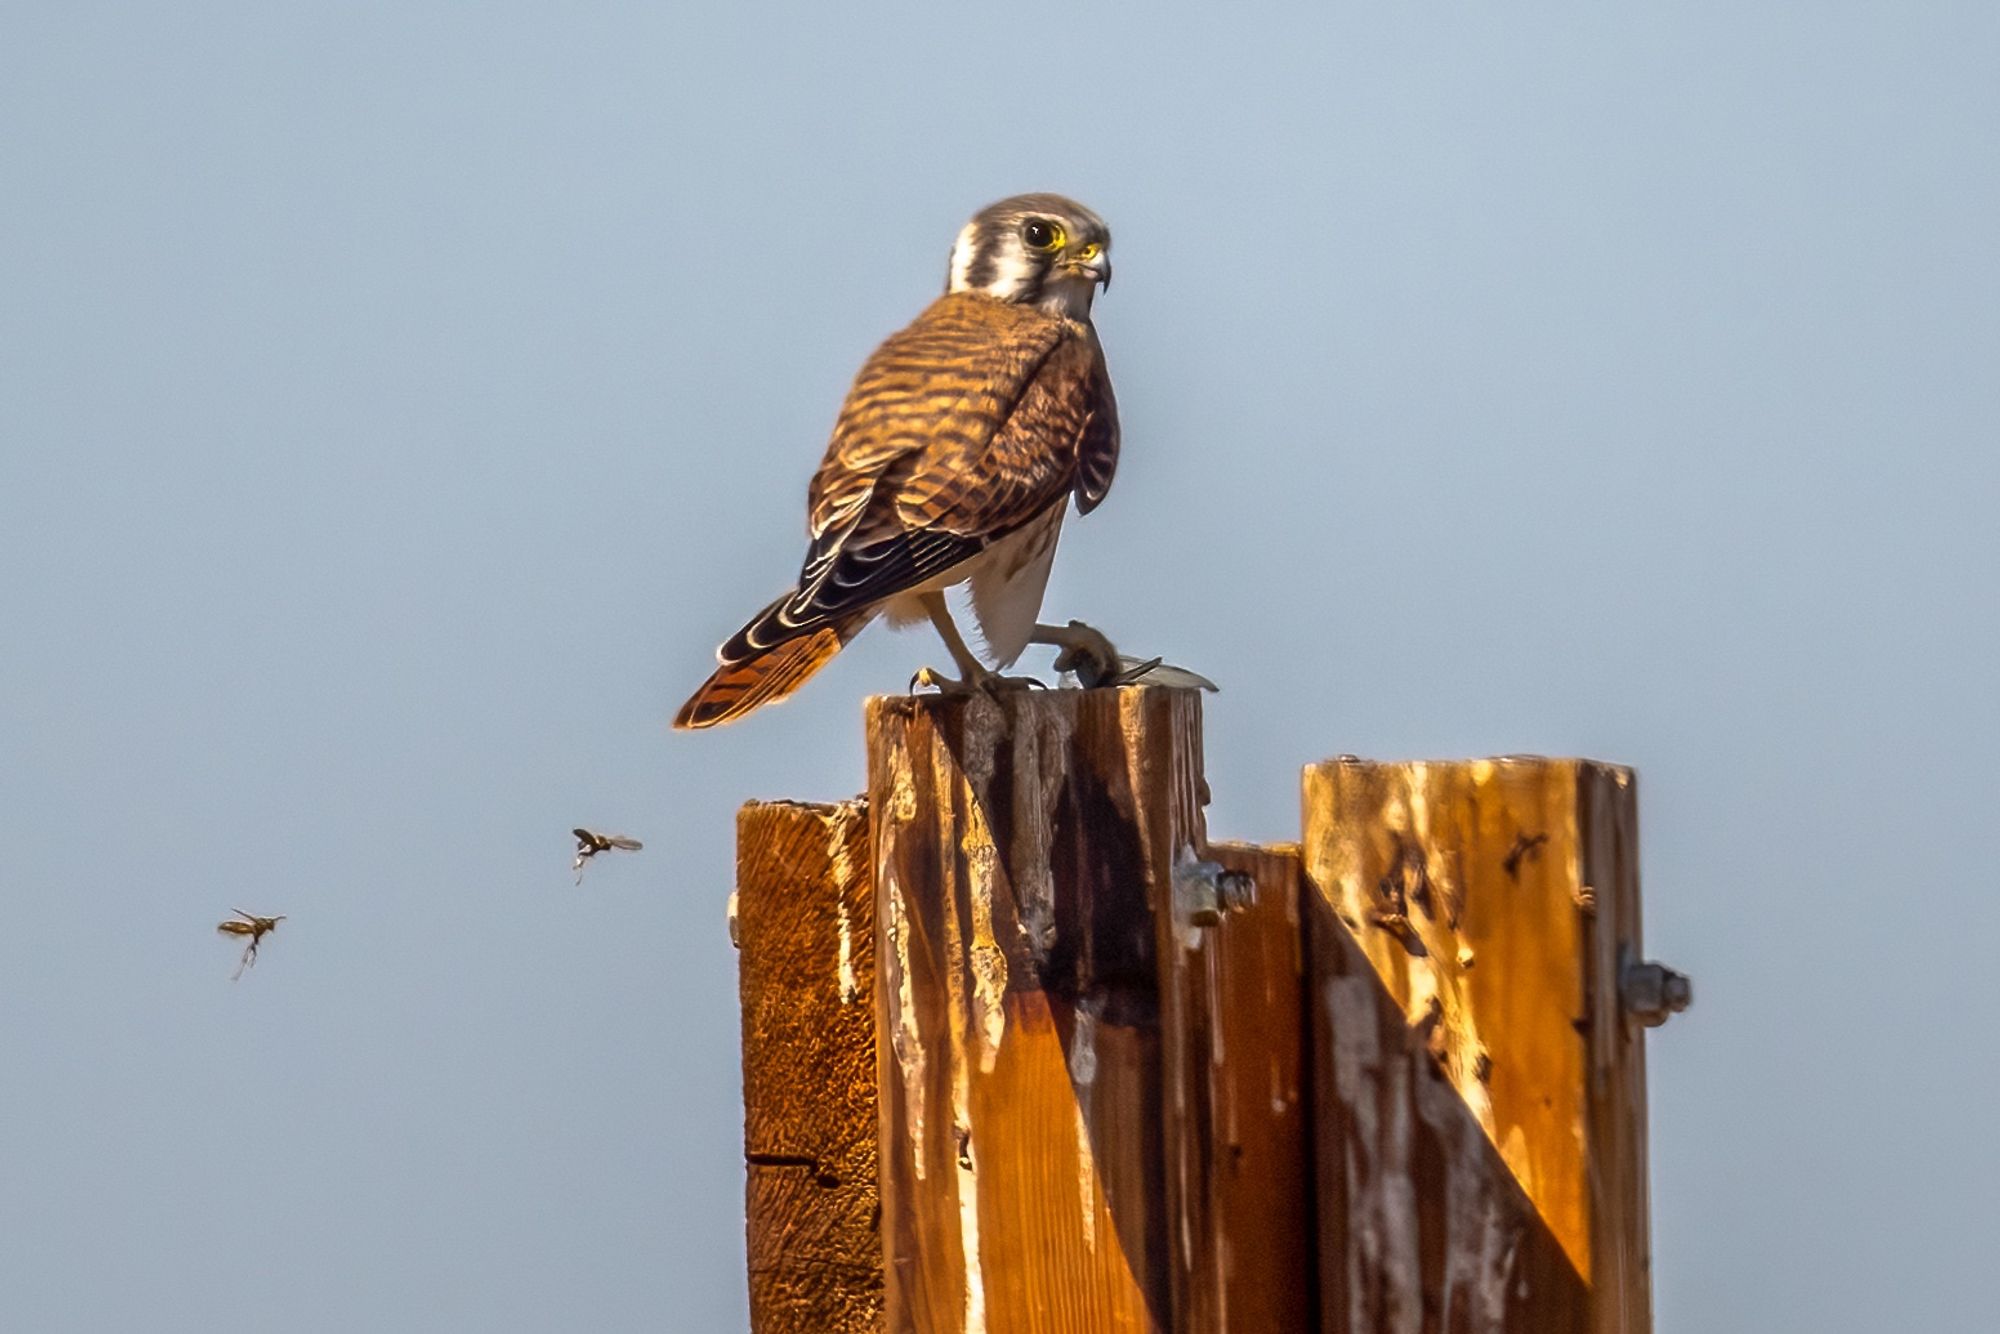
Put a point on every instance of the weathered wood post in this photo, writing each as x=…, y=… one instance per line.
x=804, y=916
x=1480, y=1084
x=1066, y=1147
x=1387, y=1080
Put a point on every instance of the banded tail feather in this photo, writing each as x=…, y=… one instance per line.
x=765, y=675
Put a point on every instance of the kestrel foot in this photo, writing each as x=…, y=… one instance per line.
x=936, y=680
x=988, y=682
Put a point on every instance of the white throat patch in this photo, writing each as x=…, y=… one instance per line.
x=1068, y=296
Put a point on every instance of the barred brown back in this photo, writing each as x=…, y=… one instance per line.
x=962, y=428
x=935, y=411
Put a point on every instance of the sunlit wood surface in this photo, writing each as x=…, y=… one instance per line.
x=1490, y=900
x=1121, y=1079
x=805, y=917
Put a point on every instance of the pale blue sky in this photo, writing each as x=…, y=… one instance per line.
x=398, y=402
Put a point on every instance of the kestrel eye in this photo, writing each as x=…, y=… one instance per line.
x=1041, y=234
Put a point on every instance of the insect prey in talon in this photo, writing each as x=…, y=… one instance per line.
x=253, y=926
x=589, y=843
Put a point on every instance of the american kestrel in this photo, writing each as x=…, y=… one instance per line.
x=953, y=462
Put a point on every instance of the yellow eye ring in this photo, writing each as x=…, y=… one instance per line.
x=1042, y=234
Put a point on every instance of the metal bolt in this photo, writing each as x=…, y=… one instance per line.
x=1205, y=891
x=1653, y=993
x=1238, y=889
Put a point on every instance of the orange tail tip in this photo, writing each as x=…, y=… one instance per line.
x=738, y=687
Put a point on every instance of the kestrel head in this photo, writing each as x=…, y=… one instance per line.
x=1041, y=250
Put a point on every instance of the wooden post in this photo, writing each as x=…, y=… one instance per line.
x=805, y=920
x=1059, y=1154
x=1239, y=1128
x=1388, y=1081
x=1482, y=1094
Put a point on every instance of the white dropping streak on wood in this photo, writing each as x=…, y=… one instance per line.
x=843, y=856
x=968, y=1209
x=845, y=878
x=1083, y=1079
x=1216, y=1055
x=904, y=1037
x=984, y=957
x=850, y=985
x=1083, y=1052
x=1086, y=1179
x=965, y=988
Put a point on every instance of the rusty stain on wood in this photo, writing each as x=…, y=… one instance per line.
x=1472, y=1135
x=805, y=922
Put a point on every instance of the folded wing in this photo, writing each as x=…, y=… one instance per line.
x=961, y=429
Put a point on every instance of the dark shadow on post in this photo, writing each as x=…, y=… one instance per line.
x=1422, y=1225
x=1118, y=1071
x=1086, y=951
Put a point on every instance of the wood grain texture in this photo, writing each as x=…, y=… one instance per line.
x=1620, y=1201
x=1477, y=1153
x=805, y=918
x=1237, y=1126
x=1390, y=1091
x=1092, y=1109
x=1016, y=855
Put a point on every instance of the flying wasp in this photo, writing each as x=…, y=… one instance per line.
x=252, y=926
x=589, y=844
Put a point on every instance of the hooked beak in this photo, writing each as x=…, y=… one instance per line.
x=1097, y=268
